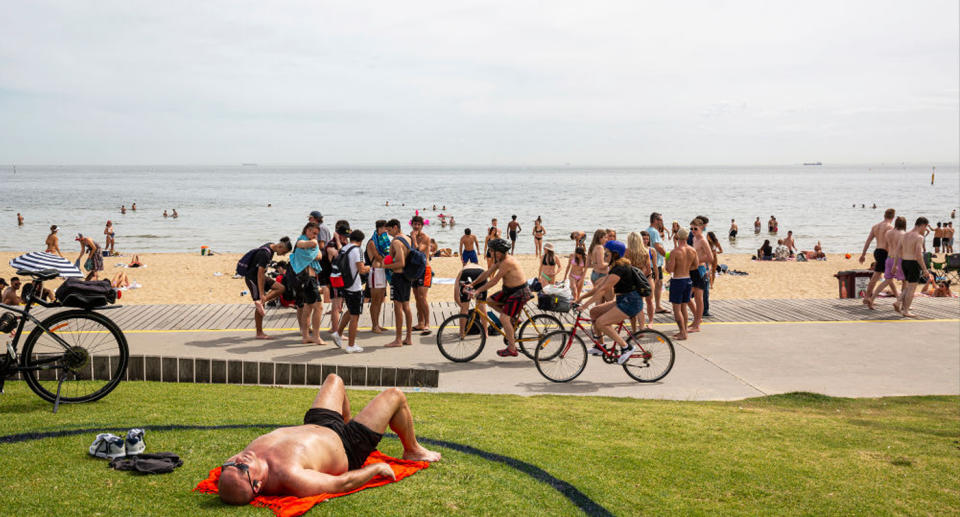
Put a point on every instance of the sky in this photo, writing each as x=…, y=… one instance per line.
x=631, y=83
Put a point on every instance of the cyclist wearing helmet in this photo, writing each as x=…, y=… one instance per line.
x=628, y=303
x=514, y=295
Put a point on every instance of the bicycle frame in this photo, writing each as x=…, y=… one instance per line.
x=487, y=323
x=611, y=352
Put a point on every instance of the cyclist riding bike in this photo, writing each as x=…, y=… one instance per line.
x=512, y=298
x=628, y=302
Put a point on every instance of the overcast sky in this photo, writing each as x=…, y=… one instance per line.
x=461, y=82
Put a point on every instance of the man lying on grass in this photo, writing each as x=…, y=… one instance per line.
x=326, y=453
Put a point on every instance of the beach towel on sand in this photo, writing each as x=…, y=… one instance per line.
x=289, y=506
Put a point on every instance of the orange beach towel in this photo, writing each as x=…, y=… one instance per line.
x=289, y=506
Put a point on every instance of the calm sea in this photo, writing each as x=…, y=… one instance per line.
x=226, y=209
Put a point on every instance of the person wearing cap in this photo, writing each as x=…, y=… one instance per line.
x=332, y=249
x=549, y=265
x=324, y=236
x=94, y=262
x=53, y=241
x=627, y=303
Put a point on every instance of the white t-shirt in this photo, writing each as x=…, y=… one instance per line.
x=354, y=256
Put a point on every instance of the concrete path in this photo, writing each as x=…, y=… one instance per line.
x=725, y=361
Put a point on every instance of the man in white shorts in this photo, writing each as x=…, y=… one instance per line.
x=377, y=247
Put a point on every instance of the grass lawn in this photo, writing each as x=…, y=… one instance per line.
x=779, y=455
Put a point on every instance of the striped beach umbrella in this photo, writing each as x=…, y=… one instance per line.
x=40, y=260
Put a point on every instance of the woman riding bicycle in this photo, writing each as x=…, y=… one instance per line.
x=628, y=302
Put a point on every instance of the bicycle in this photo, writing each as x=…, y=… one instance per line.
x=461, y=337
x=561, y=356
x=60, y=350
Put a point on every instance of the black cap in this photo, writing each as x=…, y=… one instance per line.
x=316, y=215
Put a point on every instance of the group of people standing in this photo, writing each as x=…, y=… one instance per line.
x=332, y=268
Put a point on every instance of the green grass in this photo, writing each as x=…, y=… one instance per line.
x=780, y=455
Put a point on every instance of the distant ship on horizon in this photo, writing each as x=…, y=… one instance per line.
x=248, y=164
x=813, y=163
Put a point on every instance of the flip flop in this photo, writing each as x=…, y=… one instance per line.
x=426, y=332
x=507, y=353
x=418, y=329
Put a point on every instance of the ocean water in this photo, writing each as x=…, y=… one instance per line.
x=226, y=209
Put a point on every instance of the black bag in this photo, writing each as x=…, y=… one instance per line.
x=341, y=269
x=80, y=293
x=415, y=267
x=953, y=261
x=243, y=265
x=640, y=283
x=554, y=303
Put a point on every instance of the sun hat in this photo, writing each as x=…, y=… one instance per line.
x=548, y=246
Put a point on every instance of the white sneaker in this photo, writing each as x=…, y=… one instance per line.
x=595, y=351
x=107, y=445
x=626, y=353
x=337, y=340
x=353, y=349
x=134, y=443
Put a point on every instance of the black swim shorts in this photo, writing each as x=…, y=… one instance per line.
x=399, y=288
x=911, y=270
x=879, y=259
x=354, y=301
x=358, y=440
x=309, y=291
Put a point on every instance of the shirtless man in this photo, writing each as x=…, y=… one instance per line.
x=878, y=232
x=733, y=229
x=399, y=285
x=324, y=455
x=682, y=260
x=892, y=268
x=700, y=272
x=911, y=254
x=790, y=244
x=19, y=219
x=513, y=227
x=10, y=295
x=377, y=248
x=53, y=241
x=512, y=298
x=421, y=286
x=94, y=262
x=757, y=225
x=579, y=238
x=772, y=225
x=937, y=237
x=468, y=247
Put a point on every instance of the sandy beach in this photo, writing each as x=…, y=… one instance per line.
x=191, y=278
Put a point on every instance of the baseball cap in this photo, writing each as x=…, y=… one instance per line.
x=316, y=215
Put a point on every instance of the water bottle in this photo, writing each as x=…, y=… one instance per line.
x=244, y=293
x=495, y=319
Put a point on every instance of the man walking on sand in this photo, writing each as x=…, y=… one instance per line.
x=656, y=242
x=878, y=232
x=911, y=253
x=399, y=285
x=468, y=247
x=682, y=260
x=421, y=286
x=255, y=263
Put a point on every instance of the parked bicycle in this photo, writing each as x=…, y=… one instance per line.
x=462, y=336
x=561, y=355
x=71, y=356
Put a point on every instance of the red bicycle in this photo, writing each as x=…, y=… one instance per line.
x=561, y=355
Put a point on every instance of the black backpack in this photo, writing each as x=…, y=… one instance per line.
x=82, y=293
x=243, y=265
x=341, y=267
x=640, y=282
x=415, y=266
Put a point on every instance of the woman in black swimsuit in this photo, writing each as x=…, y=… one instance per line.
x=538, y=233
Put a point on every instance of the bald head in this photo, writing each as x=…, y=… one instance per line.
x=234, y=488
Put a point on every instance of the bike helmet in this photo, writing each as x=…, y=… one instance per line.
x=499, y=245
x=616, y=247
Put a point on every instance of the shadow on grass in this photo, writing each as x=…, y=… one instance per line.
x=578, y=387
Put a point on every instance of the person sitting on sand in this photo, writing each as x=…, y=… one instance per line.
x=766, y=251
x=325, y=455
x=53, y=242
x=781, y=252
x=120, y=280
x=10, y=295
x=816, y=254
x=790, y=243
x=436, y=251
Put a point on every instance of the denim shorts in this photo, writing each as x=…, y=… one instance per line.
x=630, y=303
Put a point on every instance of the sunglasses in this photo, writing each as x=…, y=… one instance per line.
x=242, y=467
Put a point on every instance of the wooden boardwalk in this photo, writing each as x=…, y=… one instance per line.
x=240, y=316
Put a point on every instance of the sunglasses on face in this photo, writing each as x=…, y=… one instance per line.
x=242, y=467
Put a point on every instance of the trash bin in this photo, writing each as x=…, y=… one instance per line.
x=853, y=282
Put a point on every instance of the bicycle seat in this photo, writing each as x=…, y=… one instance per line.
x=84, y=301
x=44, y=274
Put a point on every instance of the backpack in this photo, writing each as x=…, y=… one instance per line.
x=341, y=265
x=415, y=266
x=243, y=265
x=81, y=293
x=640, y=282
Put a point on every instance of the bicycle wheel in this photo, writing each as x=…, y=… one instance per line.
x=91, y=367
x=653, y=358
x=533, y=330
x=561, y=356
x=461, y=337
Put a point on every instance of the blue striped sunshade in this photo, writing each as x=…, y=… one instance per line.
x=40, y=260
